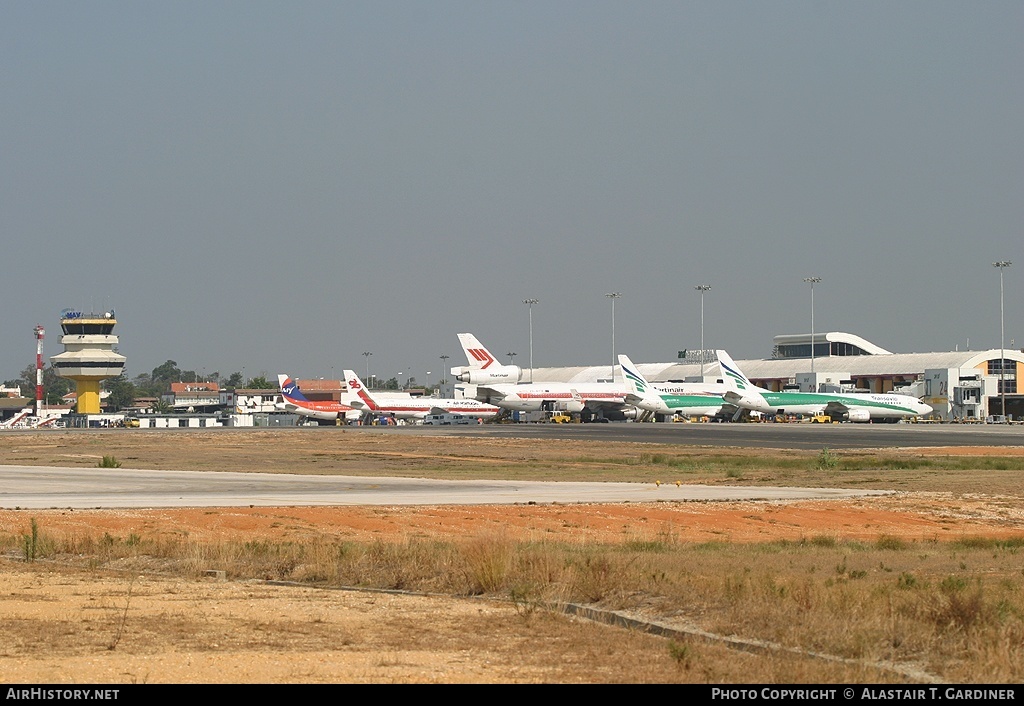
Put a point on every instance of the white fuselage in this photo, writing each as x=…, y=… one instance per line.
x=535, y=397
x=861, y=406
x=691, y=399
x=420, y=407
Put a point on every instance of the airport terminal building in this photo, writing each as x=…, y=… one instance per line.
x=959, y=385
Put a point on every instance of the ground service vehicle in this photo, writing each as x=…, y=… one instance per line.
x=448, y=419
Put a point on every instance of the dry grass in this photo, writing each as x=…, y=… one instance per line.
x=950, y=610
x=954, y=610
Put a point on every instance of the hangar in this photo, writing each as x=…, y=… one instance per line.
x=959, y=385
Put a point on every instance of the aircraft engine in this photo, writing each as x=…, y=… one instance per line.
x=495, y=374
x=571, y=406
x=858, y=415
x=632, y=412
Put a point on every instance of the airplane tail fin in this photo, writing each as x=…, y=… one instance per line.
x=289, y=389
x=733, y=376
x=479, y=357
x=636, y=383
x=363, y=398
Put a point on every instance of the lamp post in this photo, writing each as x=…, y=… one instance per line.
x=702, y=288
x=1002, y=265
x=530, y=303
x=613, y=296
x=444, y=366
x=366, y=354
x=511, y=357
x=812, y=281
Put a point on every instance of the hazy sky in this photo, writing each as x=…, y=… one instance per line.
x=282, y=186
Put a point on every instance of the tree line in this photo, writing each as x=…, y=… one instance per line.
x=124, y=391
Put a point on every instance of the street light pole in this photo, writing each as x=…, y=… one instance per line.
x=702, y=288
x=444, y=367
x=366, y=354
x=613, y=296
x=530, y=303
x=812, y=281
x=1002, y=265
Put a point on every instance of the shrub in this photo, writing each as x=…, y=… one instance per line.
x=827, y=460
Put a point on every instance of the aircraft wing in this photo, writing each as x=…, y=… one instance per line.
x=606, y=405
x=490, y=393
x=835, y=407
x=733, y=398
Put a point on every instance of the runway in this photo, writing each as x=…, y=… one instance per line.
x=40, y=487
x=55, y=487
x=779, y=436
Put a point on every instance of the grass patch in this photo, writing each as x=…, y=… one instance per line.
x=884, y=600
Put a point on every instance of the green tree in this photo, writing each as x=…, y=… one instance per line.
x=261, y=383
x=164, y=374
x=54, y=386
x=162, y=406
x=234, y=381
x=144, y=386
x=122, y=392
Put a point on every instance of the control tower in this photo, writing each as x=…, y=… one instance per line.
x=88, y=355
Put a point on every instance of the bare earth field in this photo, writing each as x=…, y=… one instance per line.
x=63, y=622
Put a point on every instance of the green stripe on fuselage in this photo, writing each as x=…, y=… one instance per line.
x=788, y=400
x=690, y=401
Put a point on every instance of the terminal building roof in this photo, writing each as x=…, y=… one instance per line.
x=872, y=361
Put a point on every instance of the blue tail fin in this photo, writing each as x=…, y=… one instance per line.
x=290, y=389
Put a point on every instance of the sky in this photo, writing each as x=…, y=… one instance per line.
x=281, y=187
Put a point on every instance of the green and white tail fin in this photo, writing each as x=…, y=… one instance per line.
x=732, y=374
x=636, y=383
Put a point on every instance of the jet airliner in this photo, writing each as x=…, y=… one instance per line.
x=696, y=399
x=848, y=406
x=324, y=410
x=415, y=408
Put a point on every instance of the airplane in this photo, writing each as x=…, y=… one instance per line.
x=602, y=399
x=483, y=367
x=415, y=408
x=323, y=410
x=693, y=399
x=848, y=406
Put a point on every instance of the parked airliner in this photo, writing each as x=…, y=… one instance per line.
x=604, y=399
x=849, y=406
x=692, y=399
x=415, y=408
x=324, y=410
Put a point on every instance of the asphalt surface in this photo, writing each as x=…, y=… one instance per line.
x=37, y=487
x=778, y=436
x=49, y=487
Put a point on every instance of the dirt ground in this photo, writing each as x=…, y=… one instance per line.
x=72, y=626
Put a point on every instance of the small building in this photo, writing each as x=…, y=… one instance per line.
x=193, y=396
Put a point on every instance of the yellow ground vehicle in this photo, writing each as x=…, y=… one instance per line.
x=561, y=418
